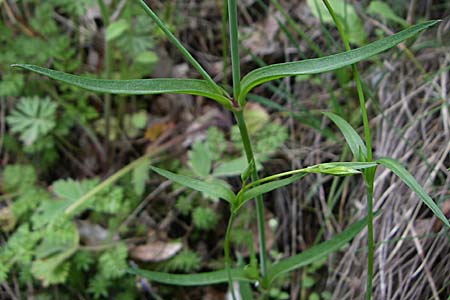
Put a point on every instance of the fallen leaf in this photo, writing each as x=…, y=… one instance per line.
x=155, y=130
x=155, y=251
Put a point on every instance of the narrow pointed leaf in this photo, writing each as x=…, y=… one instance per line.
x=211, y=188
x=411, y=182
x=339, y=168
x=316, y=252
x=206, y=278
x=335, y=168
x=327, y=63
x=353, y=139
x=267, y=187
x=135, y=86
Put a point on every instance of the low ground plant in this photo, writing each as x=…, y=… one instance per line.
x=260, y=272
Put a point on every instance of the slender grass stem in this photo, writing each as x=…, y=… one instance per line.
x=224, y=41
x=180, y=47
x=226, y=249
x=370, y=240
x=368, y=174
x=239, y=115
x=234, y=45
x=359, y=88
x=107, y=74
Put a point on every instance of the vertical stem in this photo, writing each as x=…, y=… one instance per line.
x=239, y=115
x=226, y=250
x=107, y=74
x=370, y=241
x=369, y=173
x=259, y=203
x=224, y=41
x=234, y=44
x=180, y=47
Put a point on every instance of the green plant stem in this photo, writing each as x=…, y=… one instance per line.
x=226, y=249
x=370, y=240
x=234, y=45
x=224, y=41
x=359, y=88
x=368, y=174
x=113, y=178
x=107, y=74
x=180, y=47
x=239, y=115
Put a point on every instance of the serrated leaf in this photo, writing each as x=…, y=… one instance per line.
x=411, y=182
x=199, y=159
x=210, y=188
x=204, y=218
x=56, y=239
x=55, y=269
x=352, y=138
x=112, y=263
x=206, y=278
x=135, y=86
x=317, y=252
x=33, y=118
x=327, y=63
x=68, y=191
x=140, y=176
x=18, y=178
x=71, y=190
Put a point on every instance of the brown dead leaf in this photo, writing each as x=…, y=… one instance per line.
x=156, y=129
x=437, y=225
x=423, y=226
x=7, y=219
x=212, y=293
x=155, y=251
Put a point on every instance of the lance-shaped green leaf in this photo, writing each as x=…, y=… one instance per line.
x=352, y=138
x=317, y=252
x=327, y=63
x=334, y=168
x=339, y=168
x=135, y=86
x=206, y=278
x=411, y=182
x=211, y=188
x=267, y=187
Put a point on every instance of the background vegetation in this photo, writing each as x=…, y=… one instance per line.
x=58, y=142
